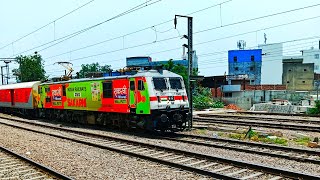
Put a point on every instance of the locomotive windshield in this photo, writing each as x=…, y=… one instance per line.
x=159, y=83
x=175, y=83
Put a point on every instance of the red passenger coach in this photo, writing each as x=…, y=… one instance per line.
x=21, y=95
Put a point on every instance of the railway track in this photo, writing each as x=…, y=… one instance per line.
x=297, y=154
x=15, y=166
x=259, y=118
x=264, y=124
x=199, y=163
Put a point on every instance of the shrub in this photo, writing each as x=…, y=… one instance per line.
x=316, y=109
x=202, y=99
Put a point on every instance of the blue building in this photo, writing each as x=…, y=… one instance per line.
x=147, y=61
x=246, y=62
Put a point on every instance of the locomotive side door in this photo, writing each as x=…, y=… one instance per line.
x=132, y=93
x=142, y=96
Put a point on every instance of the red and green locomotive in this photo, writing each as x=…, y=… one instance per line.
x=148, y=100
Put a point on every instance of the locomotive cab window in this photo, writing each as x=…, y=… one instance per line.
x=159, y=83
x=107, y=90
x=175, y=83
x=140, y=85
x=132, y=87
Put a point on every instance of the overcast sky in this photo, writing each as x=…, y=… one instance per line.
x=19, y=18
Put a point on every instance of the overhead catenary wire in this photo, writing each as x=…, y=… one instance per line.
x=134, y=32
x=289, y=49
x=74, y=34
x=53, y=21
x=196, y=44
x=240, y=34
x=217, y=27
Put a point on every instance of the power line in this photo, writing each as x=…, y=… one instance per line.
x=249, y=32
x=261, y=17
x=134, y=32
x=221, y=59
x=226, y=51
x=32, y=32
x=69, y=36
x=145, y=44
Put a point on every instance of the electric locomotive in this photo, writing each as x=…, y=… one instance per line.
x=149, y=100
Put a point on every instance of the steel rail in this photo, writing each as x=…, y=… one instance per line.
x=245, y=146
x=255, y=167
x=278, y=119
x=275, y=125
x=44, y=168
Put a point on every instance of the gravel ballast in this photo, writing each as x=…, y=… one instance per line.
x=84, y=162
x=252, y=158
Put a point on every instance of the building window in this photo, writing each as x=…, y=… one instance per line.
x=252, y=58
x=303, y=81
x=316, y=56
x=288, y=82
x=304, y=69
x=236, y=68
x=228, y=94
x=107, y=89
x=235, y=58
x=251, y=68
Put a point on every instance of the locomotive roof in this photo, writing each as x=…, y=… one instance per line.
x=149, y=73
x=20, y=85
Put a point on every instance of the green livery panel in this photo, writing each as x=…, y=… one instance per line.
x=109, y=95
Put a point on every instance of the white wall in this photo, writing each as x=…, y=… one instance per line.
x=312, y=56
x=271, y=68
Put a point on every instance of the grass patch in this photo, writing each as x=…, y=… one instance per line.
x=302, y=141
x=220, y=134
x=201, y=131
x=235, y=136
x=279, y=141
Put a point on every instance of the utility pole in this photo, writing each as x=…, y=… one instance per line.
x=190, y=68
x=6, y=61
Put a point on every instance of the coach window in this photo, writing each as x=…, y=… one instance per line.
x=64, y=90
x=140, y=85
x=107, y=89
x=132, y=87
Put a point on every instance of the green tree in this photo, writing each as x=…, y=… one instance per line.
x=30, y=68
x=179, y=69
x=93, y=67
x=202, y=99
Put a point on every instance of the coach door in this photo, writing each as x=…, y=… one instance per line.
x=132, y=98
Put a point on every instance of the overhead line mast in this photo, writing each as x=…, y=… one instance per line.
x=190, y=68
